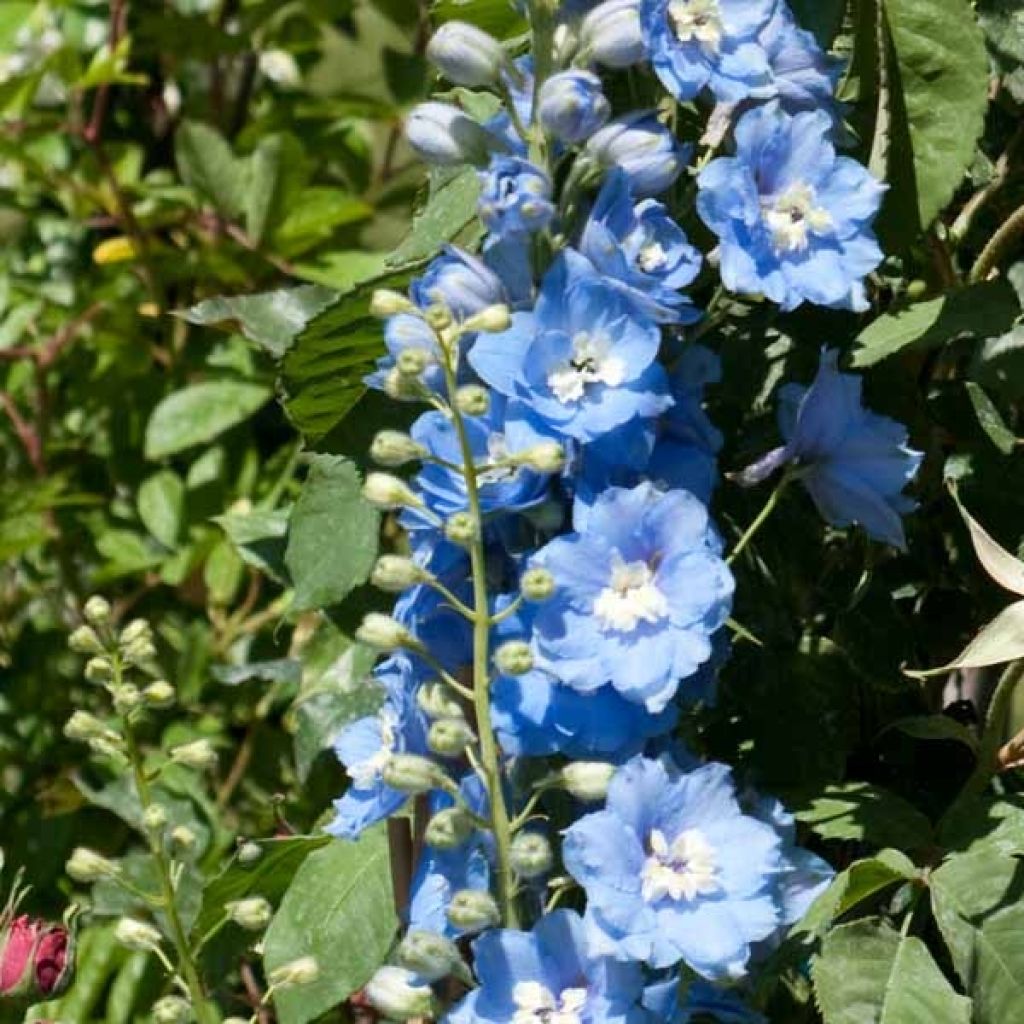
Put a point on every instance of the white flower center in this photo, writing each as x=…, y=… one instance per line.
x=793, y=215
x=683, y=870
x=631, y=597
x=591, y=362
x=367, y=772
x=697, y=20
x=652, y=257
x=536, y=1004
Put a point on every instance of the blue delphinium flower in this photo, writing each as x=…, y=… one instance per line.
x=801, y=75
x=515, y=197
x=642, y=251
x=674, y=871
x=701, y=1001
x=408, y=331
x=442, y=134
x=572, y=105
x=582, y=363
x=365, y=746
x=645, y=150
x=853, y=462
x=639, y=592
x=549, y=976
x=712, y=43
x=793, y=219
x=459, y=281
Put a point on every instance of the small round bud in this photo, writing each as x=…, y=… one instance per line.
x=136, y=934
x=461, y=529
x=137, y=629
x=183, y=837
x=126, y=698
x=531, y=855
x=587, y=780
x=449, y=737
x=303, y=971
x=442, y=134
x=411, y=362
x=84, y=640
x=393, y=573
x=197, y=754
x=514, y=658
x=249, y=853
x=400, y=388
x=385, y=302
x=154, y=818
x=472, y=910
x=448, y=829
x=171, y=1010
x=252, y=914
x=139, y=652
x=545, y=457
x=159, y=694
x=537, y=584
x=438, y=316
x=428, y=954
x=384, y=633
x=491, y=319
x=394, y=448
x=386, y=491
x=399, y=994
x=473, y=400
x=611, y=34
x=436, y=700
x=465, y=54
x=411, y=773
x=84, y=727
x=99, y=670
x=108, y=745
x=87, y=866
x=97, y=611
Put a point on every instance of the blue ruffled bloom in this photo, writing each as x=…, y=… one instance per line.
x=572, y=105
x=644, y=149
x=641, y=250
x=461, y=282
x=675, y=871
x=695, y=44
x=793, y=219
x=801, y=75
x=639, y=592
x=549, y=974
x=515, y=197
x=582, y=363
x=407, y=331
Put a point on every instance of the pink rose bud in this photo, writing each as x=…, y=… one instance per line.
x=35, y=959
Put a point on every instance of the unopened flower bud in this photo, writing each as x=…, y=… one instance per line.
x=438, y=315
x=252, y=914
x=611, y=34
x=411, y=773
x=99, y=670
x=88, y=866
x=491, y=319
x=646, y=151
x=544, y=457
x=159, y=694
x=514, y=658
x=386, y=491
x=572, y=105
x=393, y=448
x=139, y=652
x=126, y=698
x=587, y=780
x=37, y=960
x=472, y=910
x=443, y=134
x=386, y=302
x=249, y=853
x=465, y=54
x=448, y=828
x=137, y=629
x=84, y=727
x=107, y=745
x=303, y=971
x=171, y=1010
x=97, y=611
x=398, y=994
x=394, y=573
x=531, y=855
x=136, y=934
x=472, y=400
x=84, y=640
x=461, y=529
x=449, y=737
x=154, y=818
x=537, y=584
x=400, y=388
x=183, y=837
x=411, y=362
x=384, y=633
x=428, y=954
x=197, y=754
x=436, y=700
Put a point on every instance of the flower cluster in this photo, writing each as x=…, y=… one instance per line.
x=564, y=598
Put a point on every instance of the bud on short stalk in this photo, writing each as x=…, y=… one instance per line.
x=465, y=54
x=136, y=934
x=394, y=573
x=252, y=914
x=386, y=491
x=531, y=855
x=385, y=302
x=546, y=457
x=99, y=670
x=461, y=529
x=183, y=838
x=97, y=611
x=88, y=866
x=126, y=698
x=611, y=35
x=471, y=910
x=514, y=658
x=136, y=630
x=472, y=400
x=428, y=954
x=392, y=448
x=411, y=773
x=384, y=633
x=400, y=388
x=491, y=320
x=537, y=584
x=448, y=829
x=399, y=994
x=154, y=818
x=249, y=853
x=587, y=780
x=197, y=754
x=411, y=362
x=436, y=700
x=449, y=737
x=171, y=1010
x=84, y=640
x=84, y=727
x=159, y=694
x=442, y=134
x=303, y=971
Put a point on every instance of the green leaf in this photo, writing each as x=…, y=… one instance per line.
x=866, y=813
x=976, y=904
x=340, y=910
x=495, y=16
x=280, y=670
x=205, y=162
x=994, y=824
x=332, y=535
x=450, y=211
x=999, y=363
x=1006, y=569
x=161, y=502
x=264, y=176
x=271, y=319
x=990, y=419
x=997, y=643
x=259, y=536
x=868, y=973
x=980, y=310
x=199, y=413
x=1003, y=22
x=317, y=212
x=934, y=727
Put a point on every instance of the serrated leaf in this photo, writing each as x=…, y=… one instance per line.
x=332, y=535
x=259, y=536
x=984, y=823
x=340, y=910
x=450, y=210
x=199, y=413
x=990, y=418
x=1001, y=641
x=205, y=162
x=161, y=502
x=866, y=813
x=868, y=973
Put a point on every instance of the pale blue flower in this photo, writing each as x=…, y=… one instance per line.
x=644, y=149
x=515, y=197
x=460, y=281
x=572, y=105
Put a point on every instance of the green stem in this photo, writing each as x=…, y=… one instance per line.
x=762, y=518
x=1000, y=246
x=995, y=727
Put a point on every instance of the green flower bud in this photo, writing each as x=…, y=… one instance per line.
x=139, y=652
x=394, y=448
x=99, y=670
x=183, y=837
x=108, y=745
x=399, y=994
x=473, y=400
x=393, y=574
x=411, y=362
x=136, y=934
x=97, y=611
x=428, y=954
x=303, y=971
x=88, y=866
x=400, y=388
x=386, y=491
x=159, y=694
x=252, y=914
x=448, y=829
x=492, y=319
x=249, y=853
x=438, y=316
x=436, y=700
x=531, y=855
x=171, y=1010
x=154, y=818
x=587, y=780
x=461, y=529
x=410, y=773
x=544, y=457
x=471, y=910
x=385, y=302
x=84, y=640
x=514, y=658
x=126, y=698
x=84, y=727
x=537, y=584
x=449, y=737
x=136, y=630
x=197, y=754
x=384, y=633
